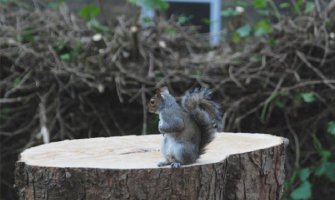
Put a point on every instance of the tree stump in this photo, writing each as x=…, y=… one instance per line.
x=235, y=166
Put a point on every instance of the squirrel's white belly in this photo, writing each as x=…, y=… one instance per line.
x=170, y=148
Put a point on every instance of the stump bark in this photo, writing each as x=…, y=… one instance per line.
x=235, y=166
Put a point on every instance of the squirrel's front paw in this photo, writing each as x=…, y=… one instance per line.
x=175, y=165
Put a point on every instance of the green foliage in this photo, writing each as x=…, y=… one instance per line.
x=299, y=184
x=65, y=57
x=17, y=81
x=309, y=7
x=26, y=36
x=241, y=3
x=269, y=12
x=262, y=27
x=284, y=5
x=229, y=12
x=67, y=53
x=331, y=128
x=206, y=21
x=304, y=174
x=259, y=4
x=327, y=169
x=183, y=19
x=244, y=31
x=55, y=4
x=297, y=6
x=147, y=20
x=154, y=4
x=303, y=191
x=97, y=26
x=171, y=32
x=89, y=12
x=308, y=97
x=279, y=103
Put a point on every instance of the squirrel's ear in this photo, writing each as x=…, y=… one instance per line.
x=158, y=93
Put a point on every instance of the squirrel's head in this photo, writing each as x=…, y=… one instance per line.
x=156, y=101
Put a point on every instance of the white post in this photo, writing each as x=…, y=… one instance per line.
x=215, y=20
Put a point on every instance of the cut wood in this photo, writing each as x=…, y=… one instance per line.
x=235, y=166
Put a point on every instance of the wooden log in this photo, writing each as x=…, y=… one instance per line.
x=235, y=166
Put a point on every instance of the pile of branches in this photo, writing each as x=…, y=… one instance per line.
x=60, y=78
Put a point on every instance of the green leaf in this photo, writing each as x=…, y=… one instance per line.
x=264, y=12
x=304, y=174
x=206, y=21
x=262, y=27
x=147, y=20
x=133, y=1
x=308, y=97
x=65, y=57
x=241, y=3
x=309, y=7
x=330, y=171
x=259, y=4
x=235, y=37
x=17, y=81
x=325, y=154
x=97, y=26
x=255, y=58
x=320, y=170
x=157, y=4
x=171, y=32
x=297, y=6
x=55, y=4
x=331, y=128
x=279, y=104
x=153, y=4
x=182, y=19
x=4, y=1
x=229, y=12
x=327, y=169
x=284, y=5
x=272, y=42
x=304, y=191
x=26, y=36
x=244, y=31
x=89, y=12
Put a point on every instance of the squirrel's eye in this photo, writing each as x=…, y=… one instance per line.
x=152, y=101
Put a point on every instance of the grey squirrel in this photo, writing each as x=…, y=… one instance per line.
x=186, y=127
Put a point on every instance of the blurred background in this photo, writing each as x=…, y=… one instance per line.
x=86, y=68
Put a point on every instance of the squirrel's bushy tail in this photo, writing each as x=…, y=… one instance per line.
x=205, y=112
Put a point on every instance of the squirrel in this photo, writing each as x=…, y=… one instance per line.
x=187, y=127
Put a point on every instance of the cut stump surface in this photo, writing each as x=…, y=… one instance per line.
x=235, y=166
